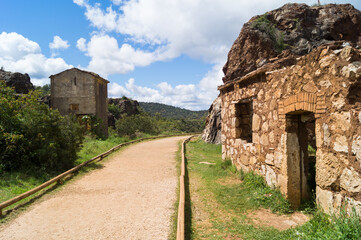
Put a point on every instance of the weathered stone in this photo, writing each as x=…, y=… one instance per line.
x=328, y=169
x=271, y=137
x=340, y=144
x=264, y=140
x=326, y=134
x=212, y=130
x=256, y=122
x=341, y=121
x=350, y=180
x=310, y=87
x=265, y=127
x=269, y=159
x=271, y=177
x=356, y=148
x=325, y=199
x=338, y=102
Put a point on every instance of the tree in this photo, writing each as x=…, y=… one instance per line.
x=32, y=136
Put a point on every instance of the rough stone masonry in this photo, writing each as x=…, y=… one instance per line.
x=297, y=122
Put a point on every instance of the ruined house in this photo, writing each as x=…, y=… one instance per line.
x=79, y=92
x=295, y=117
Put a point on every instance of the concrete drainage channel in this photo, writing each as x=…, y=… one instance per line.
x=97, y=158
x=181, y=206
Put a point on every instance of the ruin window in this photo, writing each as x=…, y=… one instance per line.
x=75, y=81
x=243, y=124
x=74, y=107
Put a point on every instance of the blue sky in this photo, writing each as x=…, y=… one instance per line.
x=150, y=50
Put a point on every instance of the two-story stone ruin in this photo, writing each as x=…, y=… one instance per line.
x=79, y=92
x=297, y=122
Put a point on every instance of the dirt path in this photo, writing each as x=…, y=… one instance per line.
x=132, y=197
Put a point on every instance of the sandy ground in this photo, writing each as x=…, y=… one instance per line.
x=131, y=197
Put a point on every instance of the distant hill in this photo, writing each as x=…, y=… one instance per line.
x=168, y=111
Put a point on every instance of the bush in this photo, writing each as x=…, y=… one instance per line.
x=32, y=136
x=129, y=125
x=265, y=26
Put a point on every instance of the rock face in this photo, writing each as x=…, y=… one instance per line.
x=20, y=82
x=281, y=35
x=126, y=106
x=212, y=131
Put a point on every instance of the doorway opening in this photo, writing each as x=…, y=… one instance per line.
x=301, y=157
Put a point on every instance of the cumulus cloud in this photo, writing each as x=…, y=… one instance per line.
x=107, y=57
x=158, y=30
x=81, y=44
x=189, y=96
x=19, y=54
x=58, y=43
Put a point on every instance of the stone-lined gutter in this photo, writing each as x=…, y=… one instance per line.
x=76, y=168
x=181, y=206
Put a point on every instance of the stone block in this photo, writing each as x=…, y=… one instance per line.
x=324, y=199
x=326, y=135
x=256, y=122
x=340, y=144
x=350, y=180
x=341, y=121
x=269, y=159
x=265, y=127
x=328, y=169
x=271, y=177
x=264, y=140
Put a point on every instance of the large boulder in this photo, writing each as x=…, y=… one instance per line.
x=20, y=82
x=289, y=32
x=212, y=131
x=125, y=106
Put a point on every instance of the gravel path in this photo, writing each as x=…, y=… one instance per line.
x=131, y=197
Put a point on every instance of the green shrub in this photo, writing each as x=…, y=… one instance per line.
x=32, y=136
x=264, y=25
x=337, y=226
x=129, y=125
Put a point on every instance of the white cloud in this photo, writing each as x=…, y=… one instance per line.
x=188, y=96
x=81, y=44
x=158, y=30
x=19, y=54
x=58, y=43
x=108, y=58
x=14, y=46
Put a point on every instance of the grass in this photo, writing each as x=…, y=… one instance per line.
x=221, y=199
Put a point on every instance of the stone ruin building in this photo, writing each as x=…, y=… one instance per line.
x=79, y=92
x=295, y=116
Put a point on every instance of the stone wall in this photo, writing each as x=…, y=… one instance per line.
x=80, y=93
x=322, y=91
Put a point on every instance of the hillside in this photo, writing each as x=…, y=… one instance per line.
x=168, y=111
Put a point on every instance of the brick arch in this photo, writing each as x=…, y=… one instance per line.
x=302, y=101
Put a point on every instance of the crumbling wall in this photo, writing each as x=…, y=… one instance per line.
x=324, y=83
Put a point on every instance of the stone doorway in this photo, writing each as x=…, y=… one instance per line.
x=301, y=156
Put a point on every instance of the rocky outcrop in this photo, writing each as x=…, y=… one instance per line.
x=20, y=82
x=212, y=131
x=123, y=106
x=280, y=36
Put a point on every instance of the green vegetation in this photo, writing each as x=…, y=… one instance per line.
x=140, y=123
x=34, y=138
x=264, y=25
x=223, y=200
x=43, y=90
x=167, y=111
